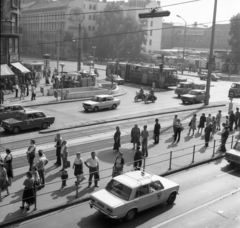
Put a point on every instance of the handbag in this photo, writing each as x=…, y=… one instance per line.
x=82, y=177
x=190, y=123
x=68, y=164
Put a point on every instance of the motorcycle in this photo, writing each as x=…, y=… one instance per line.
x=139, y=96
x=150, y=98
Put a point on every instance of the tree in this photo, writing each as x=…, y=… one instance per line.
x=234, y=33
x=128, y=42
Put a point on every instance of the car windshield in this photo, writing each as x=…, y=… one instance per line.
x=237, y=146
x=95, y=99
x=193, y=93
x=19, y=116
x=182, y=86
x=119, y=189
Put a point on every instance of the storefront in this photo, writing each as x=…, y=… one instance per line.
x=6, y=73
x=21, y=71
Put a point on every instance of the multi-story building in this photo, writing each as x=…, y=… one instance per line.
x=10, y=31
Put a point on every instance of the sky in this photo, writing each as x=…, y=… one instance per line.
x=200, y=11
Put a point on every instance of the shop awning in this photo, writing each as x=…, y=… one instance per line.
x=20, y=67
x=6, y=71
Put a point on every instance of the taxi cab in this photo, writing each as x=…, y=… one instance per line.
x=134, y=191
x=233, y=155
x=234, y=91
x=9, y=111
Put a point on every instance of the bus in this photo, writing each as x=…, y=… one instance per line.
x=144, y=74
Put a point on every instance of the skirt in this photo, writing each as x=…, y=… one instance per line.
x=28, y=196
x=78, y=170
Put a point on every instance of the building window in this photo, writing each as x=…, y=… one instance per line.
x=151, y=33
x=90, y=17
x=94, y=17
x=94, y=7
x=11, y=45
x=151, y=23
x=150, y=42
x=89, y=28
x=3, y=46
x=93, y=28
x=90, y=6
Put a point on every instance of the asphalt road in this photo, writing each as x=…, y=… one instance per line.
x=209, y=197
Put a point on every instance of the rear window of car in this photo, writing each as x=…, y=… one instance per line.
x=109, y=98
x=17, y=108
x=38, y=115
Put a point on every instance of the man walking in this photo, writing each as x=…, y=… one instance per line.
x=64, y=154
x=93, y=165
x=58, y=140
x=174, y=124
x=237, y=116
x=156, y=131
x=33, y=89
x=1, y=96
x=41, y=167
x=144, y=135
x=224, y=137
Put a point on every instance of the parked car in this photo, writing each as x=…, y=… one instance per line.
x=214, y=77
x=101, y=102
x=115, y=78
x=233, y=155
x=234, y=91
x=27, y=120
x=9, y=111
x=194, y=96
x=185, y=87
x=127, y=194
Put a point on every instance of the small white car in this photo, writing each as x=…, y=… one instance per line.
x=101, y=102
x=233, y=155
x=115, y=78
x=132, y=192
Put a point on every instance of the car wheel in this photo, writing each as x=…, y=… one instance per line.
x=16, y=130
x=194, y=101
x=44, y=125
x=114, y=106
x=131, y=214
x=171, y=198
x=95, y=109
x=85, y=109
x=183, y=101
x=136, y=98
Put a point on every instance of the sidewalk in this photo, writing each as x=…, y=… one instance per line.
x=46, y=100
x=51, y=197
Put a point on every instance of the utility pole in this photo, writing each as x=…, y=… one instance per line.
x=58, y=46
x=79, y=47
x=211, y=55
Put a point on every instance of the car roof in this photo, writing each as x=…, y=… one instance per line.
x=198, y=90
x=134, y=179
x=103, y=95
x=186, y=83
x=31, y=111
x=3, y=105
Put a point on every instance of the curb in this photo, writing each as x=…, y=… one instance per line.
x=97, y=122
x=85, y=199
x=72, y=100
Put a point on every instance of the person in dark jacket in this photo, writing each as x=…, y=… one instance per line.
x=202, y=122
x=237, y=117
x=224, y=137
x=208, y=131
x=119, y=163
x=231, y=120
x=117, y=139
x=156, y=131
x=137, y=164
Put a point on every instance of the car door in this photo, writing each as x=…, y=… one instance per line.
x=104, y=102
x=6, y=113
x=28, y=123
x=39, y=118
x=16, y=108
x=142, y=198
x=157, y=192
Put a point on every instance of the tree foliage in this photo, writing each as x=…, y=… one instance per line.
x=128, y=43
x=234, y=33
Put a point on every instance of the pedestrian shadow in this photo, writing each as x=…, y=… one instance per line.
x=203, y=149
x=17, y=195
x=197, y=135
x=51, y=177
x=151, y=146
x=187, y=138
x=219, y=156
x=17, y=177
x=19, y=213
x=52, y=167
x=62, y=192
x=172, y=145
x=169, y=140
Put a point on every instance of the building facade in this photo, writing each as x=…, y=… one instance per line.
x=10, y=31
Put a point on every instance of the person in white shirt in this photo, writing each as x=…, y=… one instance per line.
x=93, y=165
x=144, y=135
x=78, y=167
x=41, y=167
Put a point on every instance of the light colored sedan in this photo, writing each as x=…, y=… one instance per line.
x=233, y=155
x=127, y=194
x=101, y=102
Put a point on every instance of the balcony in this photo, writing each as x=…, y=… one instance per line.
x=10, y=30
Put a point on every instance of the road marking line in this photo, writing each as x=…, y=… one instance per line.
x=197, y=208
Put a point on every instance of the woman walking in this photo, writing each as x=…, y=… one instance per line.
x=135, y=136
x=78, y=167
x=202, y=123
x=8, y=165
x=178, y=131
x=117, y=139
x=31, y=153
x=192, y=124
x=214, y=126
x=36, y=178
x=137, y=164
x=28, y=193
x=3, y=179
x=118, y=165
x=208, y=131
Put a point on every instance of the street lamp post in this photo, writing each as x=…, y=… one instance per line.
x=62, y=65
x=128, y=56
x=184, y=40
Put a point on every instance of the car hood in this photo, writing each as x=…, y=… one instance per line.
x=109, y=199
x=233, y=152
x=11, y=121
x=189, y=96
x=90, y=102
x=168, y=183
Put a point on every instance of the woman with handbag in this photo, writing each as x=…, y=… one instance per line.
x=135, y=136
x=118, y=165
x=8, y=165
x=31, y=153
x=179, y=129
x=202, y=123
x=117, y=139
x=192, y=124
x=78, y=168
x=3, y=179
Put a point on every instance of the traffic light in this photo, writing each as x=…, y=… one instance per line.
x=154, y=14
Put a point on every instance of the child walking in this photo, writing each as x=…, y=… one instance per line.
x=64, y=178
